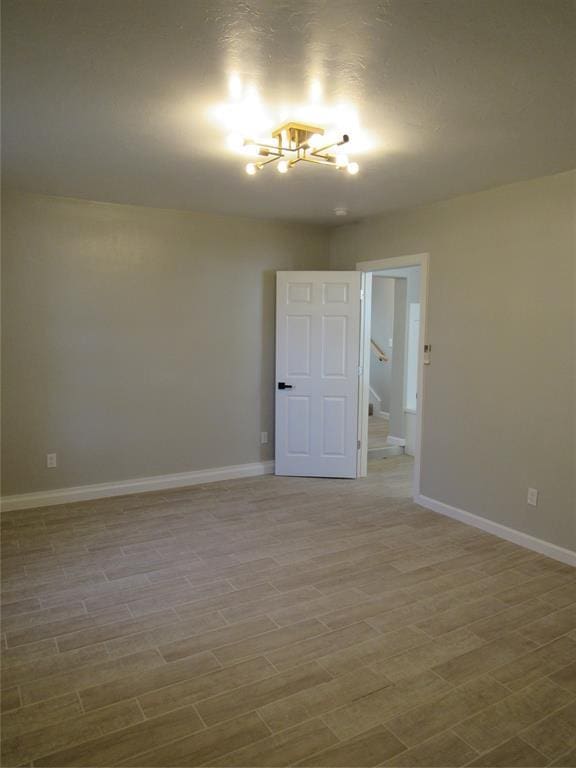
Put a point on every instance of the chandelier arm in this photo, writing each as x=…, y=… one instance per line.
x=328, y=146
x=270, y=160
x=317, y=161
x=295, y=152
x=302, y=146
x=323, y=156
x=273, y=147
x=318, y=152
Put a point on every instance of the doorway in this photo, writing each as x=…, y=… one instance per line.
x=323, y=360
x=391, y=384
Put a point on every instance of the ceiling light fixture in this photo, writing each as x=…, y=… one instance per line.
x=294, y=143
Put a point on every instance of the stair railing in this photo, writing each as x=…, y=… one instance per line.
x=379, y=352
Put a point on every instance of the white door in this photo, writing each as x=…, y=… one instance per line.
x=317, y=359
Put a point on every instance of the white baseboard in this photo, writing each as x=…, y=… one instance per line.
x=199, y=477
x=391, y=440
x=383, y=415
x=567, y=556
x=138, y=485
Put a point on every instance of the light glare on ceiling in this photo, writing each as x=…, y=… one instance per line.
x=235, y=141
x=315, y=90
x=235, y=86
x=244, y=114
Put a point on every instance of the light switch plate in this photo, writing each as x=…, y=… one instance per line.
x=532, y=497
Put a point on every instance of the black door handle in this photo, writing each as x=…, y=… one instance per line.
x=282, y=385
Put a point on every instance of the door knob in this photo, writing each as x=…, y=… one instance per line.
x=282, y=385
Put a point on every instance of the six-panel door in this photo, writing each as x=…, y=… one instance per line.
x=317, y=358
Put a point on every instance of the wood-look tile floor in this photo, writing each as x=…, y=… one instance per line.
x=282, y=621
x=378, y=429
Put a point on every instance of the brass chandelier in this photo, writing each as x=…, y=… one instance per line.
x=294, y=143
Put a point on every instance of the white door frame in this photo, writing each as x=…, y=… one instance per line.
x=421, y=260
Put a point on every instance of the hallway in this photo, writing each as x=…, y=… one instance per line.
x=378, y=445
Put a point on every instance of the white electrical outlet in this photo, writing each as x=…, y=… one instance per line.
x=532, y=497
x=51, y=460
x=390, y=343
x=263, y=438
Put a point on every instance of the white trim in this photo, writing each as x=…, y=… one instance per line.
x=137, y=485
x=374, y=398
x=421, y=260
x=383, y=415
x=394, y=262
x=567, y=556
x=391, y=440
x=364, y=378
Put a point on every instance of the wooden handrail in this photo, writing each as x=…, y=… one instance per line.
x=380, y=354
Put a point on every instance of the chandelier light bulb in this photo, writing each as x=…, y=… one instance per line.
x=315, y=141
x=341, y=160
x=251, y=169
x=283, y=166
x=352, y=168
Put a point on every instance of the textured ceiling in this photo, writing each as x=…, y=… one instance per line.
x=114, y=99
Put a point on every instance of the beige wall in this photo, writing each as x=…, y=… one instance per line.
x=499, y=394
x=137, y=341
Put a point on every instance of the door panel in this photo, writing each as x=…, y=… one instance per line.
x=297, y=425
x=298, y=345
x=334, y=336
x=317, y=358
x=333, y=426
